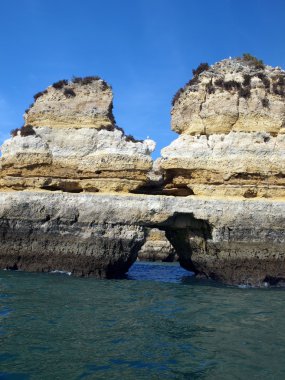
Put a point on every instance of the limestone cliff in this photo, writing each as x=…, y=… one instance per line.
x=229, y=160
x=79, y=103
x=70, y=142
x=231, y=117
x=237, y=241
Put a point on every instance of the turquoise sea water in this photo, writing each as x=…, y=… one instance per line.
x=157, y=323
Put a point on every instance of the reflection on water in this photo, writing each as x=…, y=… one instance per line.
x=157, y=323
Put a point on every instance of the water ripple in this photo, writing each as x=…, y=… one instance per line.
x=158, y=322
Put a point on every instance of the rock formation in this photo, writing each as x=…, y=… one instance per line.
x=238, y=241
x=44, y=231
x=70, y=142
x=157, y=247
x=231, y=121
x=219, y=187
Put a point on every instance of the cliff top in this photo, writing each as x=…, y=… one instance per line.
x=80, y=102
x=236, y=73
x=239, y=94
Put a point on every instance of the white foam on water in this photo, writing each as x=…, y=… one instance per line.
x=244, y=286
x=60, y=272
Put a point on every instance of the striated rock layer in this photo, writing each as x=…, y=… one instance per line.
x=231, y=118
x=71, y=143
x=157, y=247
x=80, y=103
x=237, y=242
x=229, y=160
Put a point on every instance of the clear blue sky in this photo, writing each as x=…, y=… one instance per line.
x=145, y=49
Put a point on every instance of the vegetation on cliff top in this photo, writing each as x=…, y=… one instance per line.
x=204, y=66
x=39, y=94
x=25, y=130
x=69, y=92
x=244, y=88
x=250, y=59
x=60, y=84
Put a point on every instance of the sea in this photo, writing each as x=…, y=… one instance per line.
x=158, y=322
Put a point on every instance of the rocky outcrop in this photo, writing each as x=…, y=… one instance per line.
x=231, y=118
x=70, y=142
x=238, y=242
x=43, y=232
x=79, y=103
x=226, y=170
x=157, y=247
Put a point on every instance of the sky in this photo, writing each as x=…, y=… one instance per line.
x=146, y=49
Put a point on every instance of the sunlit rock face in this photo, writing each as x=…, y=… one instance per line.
x=226, y=169
x=70, y=142
x=80, y=103
x=237, y=241
x=231, y=121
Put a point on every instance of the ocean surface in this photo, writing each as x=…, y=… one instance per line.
x=157, y=323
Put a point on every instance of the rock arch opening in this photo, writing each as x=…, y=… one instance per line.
x=189, y=236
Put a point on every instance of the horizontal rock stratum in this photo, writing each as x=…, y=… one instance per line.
x=217, y=192
x=79, y=103
x=231, y=118
x=241, y=241
x=157, y=247
x=70, y=142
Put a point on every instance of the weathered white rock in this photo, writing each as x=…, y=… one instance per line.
x=235, y=164
x=157, y=247
x=84, y=104
x=73, y=154
x=212, y=104
x=231, y=118
x=231, y=151
x=241, y=241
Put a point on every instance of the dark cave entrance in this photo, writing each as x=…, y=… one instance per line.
x=189, y=237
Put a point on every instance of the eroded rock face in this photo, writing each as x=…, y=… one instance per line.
x=82, y=103
x=46, y=231
x=232, y=95
x=231, y=119
x=75, y=145
x=236, y=242
x=157, y=247
x=229, y=160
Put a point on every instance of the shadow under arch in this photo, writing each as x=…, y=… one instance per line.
x=189, y=236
